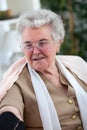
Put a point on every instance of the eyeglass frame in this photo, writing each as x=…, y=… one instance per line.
x=30, y=45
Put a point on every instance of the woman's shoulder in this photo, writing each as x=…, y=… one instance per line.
x=71, y=58
x=23, y=76
x=75, y=64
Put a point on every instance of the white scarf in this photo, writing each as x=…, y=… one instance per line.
x=49, y=115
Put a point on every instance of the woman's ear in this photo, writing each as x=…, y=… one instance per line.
x=58, y=45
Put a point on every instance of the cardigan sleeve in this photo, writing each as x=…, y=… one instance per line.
x=13, y=98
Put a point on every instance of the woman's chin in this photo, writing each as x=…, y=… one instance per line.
x=39, y=68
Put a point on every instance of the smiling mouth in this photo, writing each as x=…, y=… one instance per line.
x=37, y=59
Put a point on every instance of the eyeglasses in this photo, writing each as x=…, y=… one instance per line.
x=40, y=45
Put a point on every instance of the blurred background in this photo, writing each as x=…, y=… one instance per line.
x=73, y=13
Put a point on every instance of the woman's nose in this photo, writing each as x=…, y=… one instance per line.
x=36, y=50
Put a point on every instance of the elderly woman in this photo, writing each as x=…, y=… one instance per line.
x=43, y=91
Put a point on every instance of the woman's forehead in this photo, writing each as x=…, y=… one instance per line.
x=36, y=34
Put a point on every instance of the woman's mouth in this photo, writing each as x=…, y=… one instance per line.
x=38, y=58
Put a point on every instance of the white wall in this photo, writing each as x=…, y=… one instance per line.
x=18, y=6
x=9, y=50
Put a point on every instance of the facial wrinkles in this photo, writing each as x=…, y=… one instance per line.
x=39, y=58
x=40, y=54
x=37, y=54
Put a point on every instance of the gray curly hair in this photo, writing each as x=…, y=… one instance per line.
x=40, y=18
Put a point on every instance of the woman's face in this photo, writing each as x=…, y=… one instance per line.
x=43, y=57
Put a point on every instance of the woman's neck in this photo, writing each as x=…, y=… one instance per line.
x=52, y=74
x=50, y=71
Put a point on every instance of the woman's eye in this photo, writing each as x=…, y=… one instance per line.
x=28, y=45
x=43, y=43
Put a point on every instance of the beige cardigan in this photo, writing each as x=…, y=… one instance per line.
x=74, y=63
